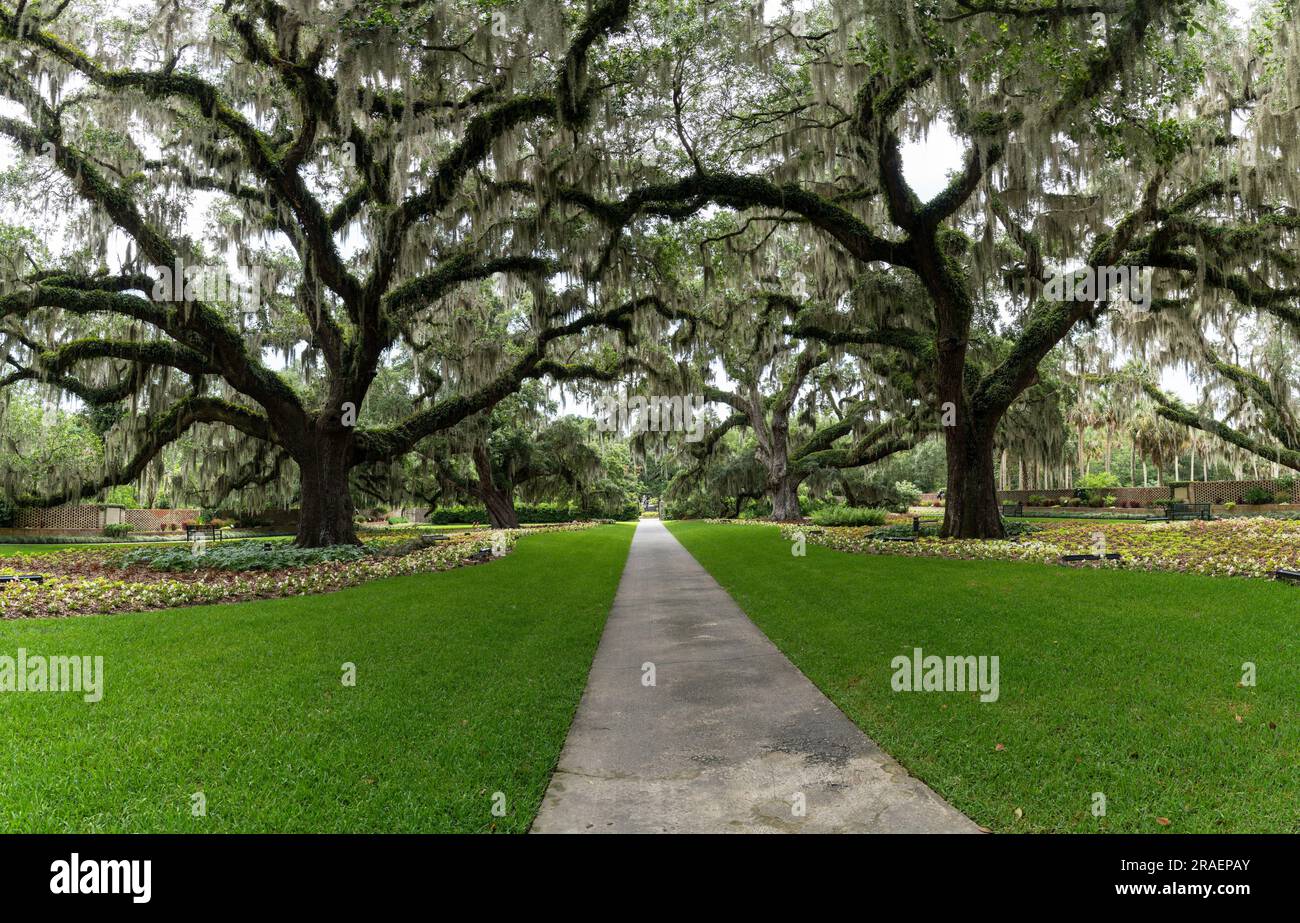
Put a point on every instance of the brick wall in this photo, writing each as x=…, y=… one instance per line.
x=1233, y=491
x=159, y=520
x=1197, y=492
x=90, y=518
x=69, y=518
x=1143, y=495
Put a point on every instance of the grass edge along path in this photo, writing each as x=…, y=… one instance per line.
x=1123, y=685
x=466, y=683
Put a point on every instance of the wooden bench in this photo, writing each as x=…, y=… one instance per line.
x=211, y=532
x=916, y=533
x=23, y=578
x=1076, y=558
x=1189, y=511
x=1013, y=509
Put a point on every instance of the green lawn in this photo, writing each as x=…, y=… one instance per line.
x=1112, y=682
x=466, y=684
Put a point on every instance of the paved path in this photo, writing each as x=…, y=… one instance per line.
x=728, y=738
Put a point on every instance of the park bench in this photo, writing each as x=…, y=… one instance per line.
x=1189, y=511
x=1076, y=558
x=207, y=532
x=1013, y=509
x=433, y=538
x=1290, y=576
x=19, y=578
x=916, y=533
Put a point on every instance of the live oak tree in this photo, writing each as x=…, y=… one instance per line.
x=1228, y=254
x=809, y=406
x=1074, y=119
x=520, y=448
x=373, y=169
x=355, y=160
x=760, y=354
x=718, y=483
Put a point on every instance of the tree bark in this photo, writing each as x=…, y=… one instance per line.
x=971, y=504
x=785, y=500
x=325, y=506
x=849, y=496
x=500, y=503
x=501, y=510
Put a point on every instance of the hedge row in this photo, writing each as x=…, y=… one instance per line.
x=542, y=513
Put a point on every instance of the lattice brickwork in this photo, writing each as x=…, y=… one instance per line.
x=1234, y=491
x=88, y=518
x=159, y=520
x=1123, y=495
x=1197, y=492
x=71, y=518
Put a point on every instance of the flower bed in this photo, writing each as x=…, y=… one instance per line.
x=98, y=580
x=1225, y=548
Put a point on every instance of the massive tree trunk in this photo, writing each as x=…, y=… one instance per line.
x=500, y=503
x=325, y=508
x=849, y=496
x=971, y=503
x=785, y=499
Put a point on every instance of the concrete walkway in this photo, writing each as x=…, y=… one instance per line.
x=732, y=737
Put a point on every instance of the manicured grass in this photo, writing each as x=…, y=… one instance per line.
x=1112, y=682
x=466, y=682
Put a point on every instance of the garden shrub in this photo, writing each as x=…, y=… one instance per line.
x=1257, y=495
x=908, y=493
x=117, y=529
x=548, y=513
x=1099, y=479
x=849, y=516
x=8, y=510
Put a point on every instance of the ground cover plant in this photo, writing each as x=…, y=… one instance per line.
x=241, y=556
x=1242, y=547
x=1128, y=684
x=97, y=580
x=244, y=704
